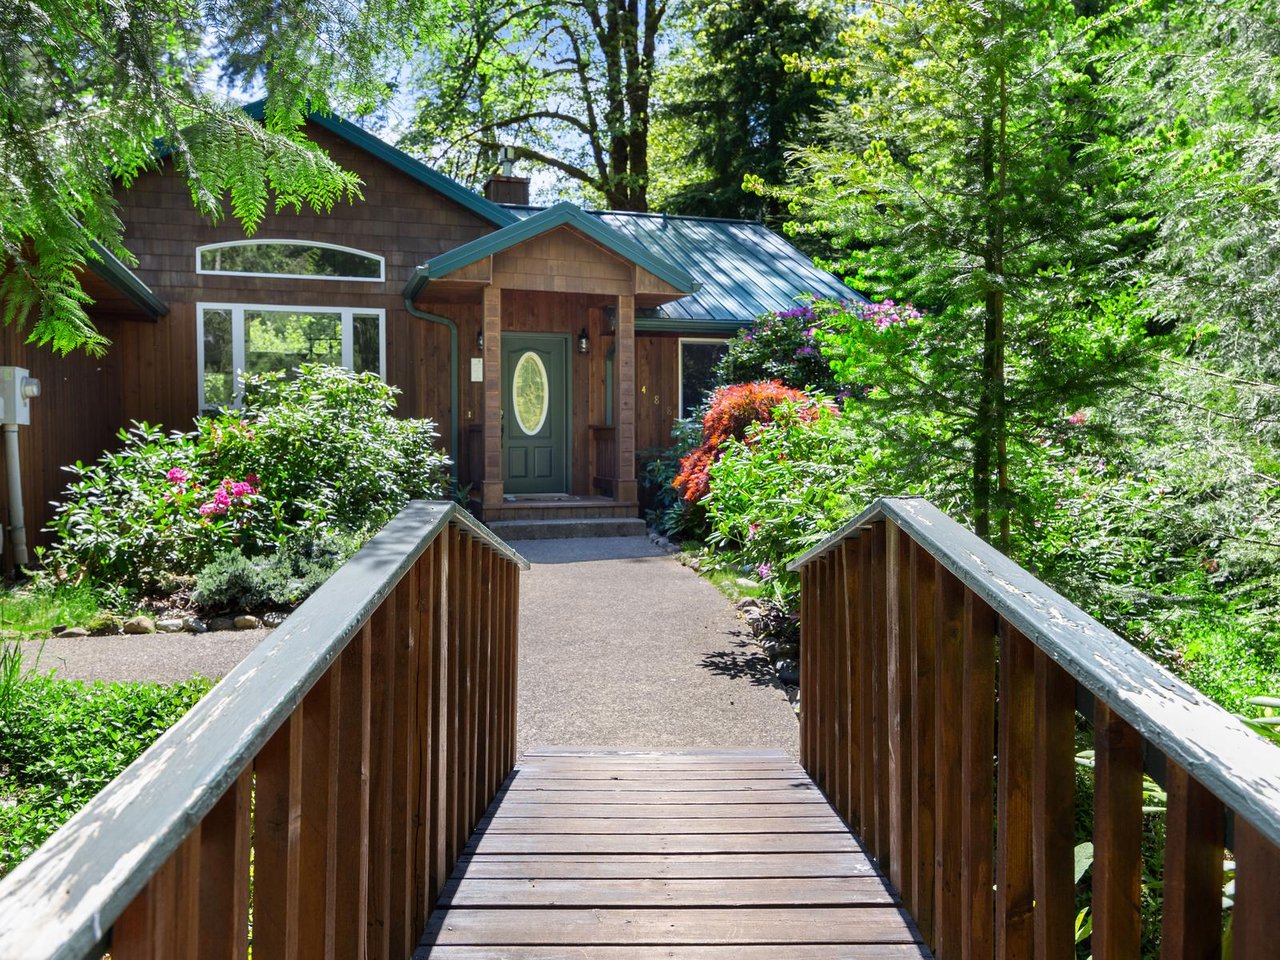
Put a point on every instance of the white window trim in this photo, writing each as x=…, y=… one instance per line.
x=237, y=311
x=680, y=365
x=380, y=278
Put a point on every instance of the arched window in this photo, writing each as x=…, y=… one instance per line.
x=301, y=259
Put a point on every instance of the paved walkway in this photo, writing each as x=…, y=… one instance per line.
x=156, y=657
x=622, y=646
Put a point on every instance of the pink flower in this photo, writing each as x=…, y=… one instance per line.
x=241, y=489
x=252, y=479
x=178, y=476
x=1077, y=418
x=753, y=530
x=765, y=570
x=211, y=508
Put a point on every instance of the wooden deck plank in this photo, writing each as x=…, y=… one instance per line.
x=809, y=794
x=663, y=785
x=710, y=892
x=693, y=925
x=830, y=951
x=670, y=825
x=706, y=856
x=519, y=807
x=746, y=843
x=667, y=866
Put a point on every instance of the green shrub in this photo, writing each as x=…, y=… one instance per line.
x=327, y=450
x=786, y=486
x=63, y=742
x=665, y=509
x=233, y=581
x=313, y=456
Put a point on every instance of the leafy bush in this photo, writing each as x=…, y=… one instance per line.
x=63, y=742
x=665, y=509
x=315, y=455
x=787, y=485
x=233, y=581
x=731, y=411
x=784, y=346
x=327, y=450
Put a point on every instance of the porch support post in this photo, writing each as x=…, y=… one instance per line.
x=625, y=361
x=491, y=485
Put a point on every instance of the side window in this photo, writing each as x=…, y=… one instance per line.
x=698, y=359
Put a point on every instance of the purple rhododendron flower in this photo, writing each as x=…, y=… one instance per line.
x=765, y=570
x=177, y=476
x=1077, y=418
x=241, y=489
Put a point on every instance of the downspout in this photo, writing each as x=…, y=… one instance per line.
x=454, y=399
x=17, y=522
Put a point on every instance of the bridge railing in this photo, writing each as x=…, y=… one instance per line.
x=941, y=689
x=314, y=802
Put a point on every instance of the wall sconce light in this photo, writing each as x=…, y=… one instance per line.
x=611, y=317
x=480, y=341
x=583, y=343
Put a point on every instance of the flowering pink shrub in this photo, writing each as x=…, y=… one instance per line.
x=887, y=314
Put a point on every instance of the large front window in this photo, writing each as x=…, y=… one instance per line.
x=236, y=338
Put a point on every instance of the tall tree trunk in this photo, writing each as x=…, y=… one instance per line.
x=991, y=453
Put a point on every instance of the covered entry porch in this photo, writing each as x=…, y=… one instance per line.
x=553, y=426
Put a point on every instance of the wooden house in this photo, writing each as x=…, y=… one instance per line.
x=549, y=345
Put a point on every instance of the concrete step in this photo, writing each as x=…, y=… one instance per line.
x=564, y=528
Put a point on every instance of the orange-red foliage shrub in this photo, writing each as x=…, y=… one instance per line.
x=733, y=410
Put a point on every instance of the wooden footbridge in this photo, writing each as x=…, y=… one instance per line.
x=351, y=790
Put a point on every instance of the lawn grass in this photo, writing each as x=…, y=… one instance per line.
x=30, y=611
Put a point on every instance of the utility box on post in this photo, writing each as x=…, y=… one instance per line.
x=17, y=389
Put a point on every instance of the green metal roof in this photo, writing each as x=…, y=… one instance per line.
x=744, y=268
x=486, y=209
x=533, y=224
x=111, y=269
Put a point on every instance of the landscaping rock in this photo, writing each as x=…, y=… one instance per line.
x=221, y=624
x=140, y=625
x=788, y=671
x=104, y=624
x=195, y=625
x=73, y=632
x=170, y=626
x=274, y=618
x=246, y=622
x=57, y=628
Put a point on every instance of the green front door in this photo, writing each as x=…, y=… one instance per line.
x=535, y=413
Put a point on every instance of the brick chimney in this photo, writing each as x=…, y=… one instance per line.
x=504, y=188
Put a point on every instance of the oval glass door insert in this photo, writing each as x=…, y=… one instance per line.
x=530, y=393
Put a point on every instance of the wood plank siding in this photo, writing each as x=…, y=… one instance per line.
x=627, y=855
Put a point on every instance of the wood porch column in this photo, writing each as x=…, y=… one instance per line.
x=625, y=362
x=491, y=485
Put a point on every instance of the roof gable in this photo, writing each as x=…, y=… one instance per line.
x=560, y=215
x=358, y=137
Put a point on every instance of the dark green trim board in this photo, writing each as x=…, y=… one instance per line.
x=563, y=214
x=723, y=328
x=111, y=269
x=499, y=216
